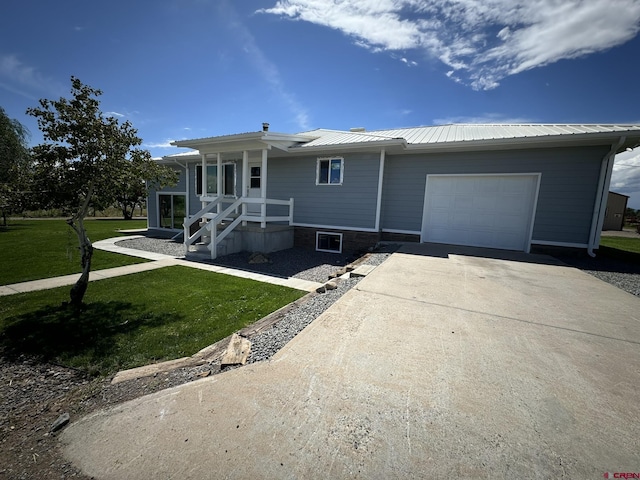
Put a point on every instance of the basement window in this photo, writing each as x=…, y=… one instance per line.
x=329, y=242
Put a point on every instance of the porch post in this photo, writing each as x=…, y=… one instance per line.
x=203, y=180
x=219, y=179
x=245, y=182
x=263, y=188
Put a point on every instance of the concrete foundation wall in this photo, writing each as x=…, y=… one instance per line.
x=399, y=237
x=266, y=240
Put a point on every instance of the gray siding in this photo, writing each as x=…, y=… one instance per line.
x=352, y=204
x=193, y=200
x=567, y=188
x=152, y=200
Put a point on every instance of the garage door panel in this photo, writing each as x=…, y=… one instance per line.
x=461, y=202
x=441, y=201
x=511, y=185
x=483, y=221
x=483, y=204
x=480, y=210
x=511, y=206
x=446, y=186
x=462, y=220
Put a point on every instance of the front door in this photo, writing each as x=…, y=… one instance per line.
x=254, y=187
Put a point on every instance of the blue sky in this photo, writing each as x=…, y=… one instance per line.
x=194, y=68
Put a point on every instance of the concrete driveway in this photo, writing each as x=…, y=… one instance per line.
x=441, y=364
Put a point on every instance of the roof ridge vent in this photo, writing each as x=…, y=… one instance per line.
x=357, y=129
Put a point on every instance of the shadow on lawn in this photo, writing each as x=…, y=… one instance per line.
x=65, y=333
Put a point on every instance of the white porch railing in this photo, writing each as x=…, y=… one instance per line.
x=210, y=228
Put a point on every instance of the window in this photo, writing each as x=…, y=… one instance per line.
x=255, y=177
x=173, y=210
x=228, y=179
x=329, y=242
x=330, y=171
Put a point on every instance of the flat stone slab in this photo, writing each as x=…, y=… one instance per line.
x=362, y=270
x=237, y=351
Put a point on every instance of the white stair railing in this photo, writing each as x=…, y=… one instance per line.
x=189, y=221
x=214, y=219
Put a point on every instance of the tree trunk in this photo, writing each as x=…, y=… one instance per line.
x=126, y=214
x=86, y=250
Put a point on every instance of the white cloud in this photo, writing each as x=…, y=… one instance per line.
x=626, y=176
x=481, y=41
x=266, y=68
x=165, y=144
x=114, y=114
x=483, y=118
x=409, y=63
x=19, y=78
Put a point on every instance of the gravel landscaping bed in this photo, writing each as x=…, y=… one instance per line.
x=33, y=394
x=294, y=262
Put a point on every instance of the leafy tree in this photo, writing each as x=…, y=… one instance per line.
x=133, y=191
x=84, y=158
x=15, y=165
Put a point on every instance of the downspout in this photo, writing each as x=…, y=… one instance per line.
x=379, y=199
x=601, y=197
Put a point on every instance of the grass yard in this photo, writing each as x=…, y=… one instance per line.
x=35, y=249
x=624, y=244
x=137, y=319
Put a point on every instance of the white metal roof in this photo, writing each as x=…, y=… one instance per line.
x=429, y=138
x=462, y=133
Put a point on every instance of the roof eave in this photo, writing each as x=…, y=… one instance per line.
x=226, y=141
x=606, y=138
x=395, y=143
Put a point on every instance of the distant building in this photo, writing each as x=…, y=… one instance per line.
x=614, y=215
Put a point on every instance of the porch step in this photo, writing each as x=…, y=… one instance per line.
x=199, y=247
x=198, y=256
x=232, y=243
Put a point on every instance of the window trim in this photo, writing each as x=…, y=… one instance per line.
x=329, y=159
x=198, y=184
x=336, y=234
x=173, y=219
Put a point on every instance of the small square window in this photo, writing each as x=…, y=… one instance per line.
x=329, y=242
x=330, y=171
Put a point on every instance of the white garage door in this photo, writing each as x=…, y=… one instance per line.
x=480, y=210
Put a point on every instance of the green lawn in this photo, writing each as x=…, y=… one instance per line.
x=35, y=249
x=137, y=319
x=624, y=244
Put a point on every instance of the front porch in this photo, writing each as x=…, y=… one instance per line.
x=231, y=186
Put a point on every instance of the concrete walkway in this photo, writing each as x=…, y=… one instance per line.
x=441, y=363
x=157, y=261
